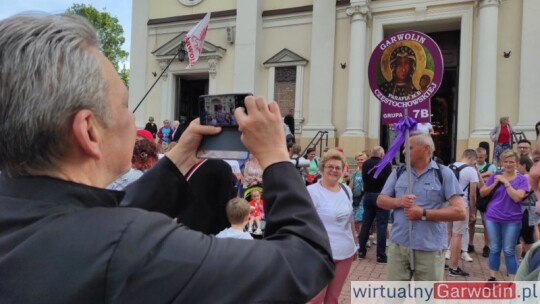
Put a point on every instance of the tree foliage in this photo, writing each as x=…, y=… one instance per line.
x=110, y=33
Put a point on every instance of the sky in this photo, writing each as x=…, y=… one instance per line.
x=120, y=9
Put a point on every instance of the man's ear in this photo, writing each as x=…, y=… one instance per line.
x=87, y=132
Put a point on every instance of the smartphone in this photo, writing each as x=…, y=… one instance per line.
x=218, y=110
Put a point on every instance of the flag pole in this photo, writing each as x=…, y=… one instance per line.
x=192, y=44
x=409, y=190
x=180, y=49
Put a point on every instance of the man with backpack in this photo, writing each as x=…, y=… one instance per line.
x=468, y=179
x=486, y=169
x=419, y=226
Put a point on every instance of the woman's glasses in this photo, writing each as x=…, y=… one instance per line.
x=331, y=168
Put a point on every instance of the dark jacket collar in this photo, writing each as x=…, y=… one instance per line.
x=45, y=188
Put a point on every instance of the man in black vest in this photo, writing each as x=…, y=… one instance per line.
x=289, y=120
x=372, y=188
x=179, y=130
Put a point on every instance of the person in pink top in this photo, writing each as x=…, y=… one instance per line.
x=257, y=211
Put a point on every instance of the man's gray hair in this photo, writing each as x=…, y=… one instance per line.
x=48, y=71
x=424, y=139
x=377, y=151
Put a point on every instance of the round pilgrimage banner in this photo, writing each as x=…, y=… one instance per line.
x=405, y=71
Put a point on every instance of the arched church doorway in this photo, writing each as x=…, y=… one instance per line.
x=188, y=89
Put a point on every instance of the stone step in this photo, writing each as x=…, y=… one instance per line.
x=479, y=228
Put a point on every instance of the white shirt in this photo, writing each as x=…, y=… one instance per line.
x=126, y=179
x=233, y=233
x=235, y=166
x=335, y=211
x=424, y=127
x=466, y=176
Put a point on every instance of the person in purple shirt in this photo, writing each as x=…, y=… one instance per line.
x=503, y=214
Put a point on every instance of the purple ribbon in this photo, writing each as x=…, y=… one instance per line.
x=406, y=123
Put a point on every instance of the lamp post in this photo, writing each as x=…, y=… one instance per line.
x=182, y=52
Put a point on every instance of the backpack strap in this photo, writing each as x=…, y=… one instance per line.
x=400, y=171
x=462, y=167
x=457, y=170
x=344, y=189
x=439, y=173
x=528, y=195
x=485, y=168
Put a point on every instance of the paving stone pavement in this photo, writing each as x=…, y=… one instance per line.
x=368, y=270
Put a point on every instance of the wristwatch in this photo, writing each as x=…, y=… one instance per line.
x=424, y=214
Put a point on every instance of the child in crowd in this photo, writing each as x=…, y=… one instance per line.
x=257, y=211
x=238, y=214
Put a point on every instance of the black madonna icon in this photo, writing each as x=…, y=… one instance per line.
x=405, y=70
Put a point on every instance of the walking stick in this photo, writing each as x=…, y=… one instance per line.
x=409, y=191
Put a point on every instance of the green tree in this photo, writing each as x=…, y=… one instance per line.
x=110, y=33
x=124, y=74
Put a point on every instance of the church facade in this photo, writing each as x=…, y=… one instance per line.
x=312, y=56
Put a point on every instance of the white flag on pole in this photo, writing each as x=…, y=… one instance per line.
x=194, y=40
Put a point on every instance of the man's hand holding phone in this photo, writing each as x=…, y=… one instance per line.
x=218, y=110
x=262, y=130
x=183, y=154
x=262, y=134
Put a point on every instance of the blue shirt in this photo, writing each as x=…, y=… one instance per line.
x=358, y=184
x=490, y=168
x=430, y=194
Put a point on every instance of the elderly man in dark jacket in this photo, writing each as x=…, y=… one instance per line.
x=63, y=238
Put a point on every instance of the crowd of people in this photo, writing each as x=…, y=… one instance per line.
x=441, y=206
x=167, y=134
x=443, y=218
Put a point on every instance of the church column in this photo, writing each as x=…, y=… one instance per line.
x=486, y=69
x=138, y=72
x=319, y=114
x=529, y=89
x=271, y=83
x=359, y=13
x=247, y=46
x=212, y=71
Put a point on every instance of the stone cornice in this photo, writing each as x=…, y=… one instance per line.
x=486, y=3
x=359, y=10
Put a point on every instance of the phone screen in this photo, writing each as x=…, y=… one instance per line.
x=218, y=110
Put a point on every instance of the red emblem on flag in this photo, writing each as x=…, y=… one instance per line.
x=195, y=40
